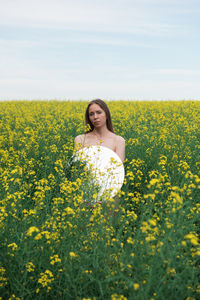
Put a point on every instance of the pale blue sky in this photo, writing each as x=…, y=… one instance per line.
x=109, y=49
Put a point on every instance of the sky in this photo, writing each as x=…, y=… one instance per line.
x=108, y=49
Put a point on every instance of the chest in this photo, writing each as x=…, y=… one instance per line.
x=107, y=142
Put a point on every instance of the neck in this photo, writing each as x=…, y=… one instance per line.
x=100, y=132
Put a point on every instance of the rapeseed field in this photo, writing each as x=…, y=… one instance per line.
x=55, y=246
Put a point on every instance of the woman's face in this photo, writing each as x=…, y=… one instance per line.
x=97, y=115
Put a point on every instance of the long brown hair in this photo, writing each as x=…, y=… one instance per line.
x=104, y=106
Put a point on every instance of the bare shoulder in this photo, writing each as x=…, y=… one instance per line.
x=120, y=139
x=79, y=139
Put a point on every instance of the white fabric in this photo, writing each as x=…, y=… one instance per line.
x=106, y=167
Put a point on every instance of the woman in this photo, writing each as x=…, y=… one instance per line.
x=101, y=132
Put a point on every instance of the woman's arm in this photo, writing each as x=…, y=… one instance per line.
x=120, y=147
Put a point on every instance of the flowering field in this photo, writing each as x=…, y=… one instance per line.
x=54, y=246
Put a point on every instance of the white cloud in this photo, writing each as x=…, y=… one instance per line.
x=32, y=69
x=55, y=13
x=111, y=40
x=179, y=72
x=137, y=90
x=6, y=43
x=111, y=16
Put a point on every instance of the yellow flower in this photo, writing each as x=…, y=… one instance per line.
x=88, y=271
x=154, y=181
x=152, y=222
x=54, y=259
x=13, y=246
x=118, y=297
x=193, y=238
x=3, y=279
x=30, y=267
x=184, y=243
x=136, y=286
x=73, y=255
x=150, y=238
x=194, y=241
x=130, y=240
x=171, y=271
x=69, y=211
x=198, y=289
x=46, y=278
x=31, y=230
